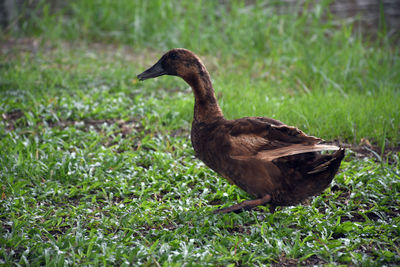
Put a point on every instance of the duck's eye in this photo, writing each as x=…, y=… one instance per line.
x=173, y=55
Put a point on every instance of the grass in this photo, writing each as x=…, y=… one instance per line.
x=97, y=168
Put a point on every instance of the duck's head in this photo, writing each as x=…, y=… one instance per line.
x=178, y=62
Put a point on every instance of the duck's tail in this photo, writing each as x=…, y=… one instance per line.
x=322, y=173
x=328, y=163
x=307, y=175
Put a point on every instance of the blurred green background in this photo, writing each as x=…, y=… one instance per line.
x=339, y=59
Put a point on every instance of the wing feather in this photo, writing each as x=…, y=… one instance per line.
x=266, y=140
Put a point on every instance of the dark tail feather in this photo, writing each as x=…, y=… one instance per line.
x=320, y=177
x=314, y=180
x=333, y=163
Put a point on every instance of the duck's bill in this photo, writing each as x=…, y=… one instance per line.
x=152, y=72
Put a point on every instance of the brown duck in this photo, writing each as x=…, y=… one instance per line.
x=277, y=164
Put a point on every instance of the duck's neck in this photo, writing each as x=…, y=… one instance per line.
x=206, y=108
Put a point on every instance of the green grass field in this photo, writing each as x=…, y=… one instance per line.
x=97, y=168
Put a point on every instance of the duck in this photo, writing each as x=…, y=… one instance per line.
x=277, y=164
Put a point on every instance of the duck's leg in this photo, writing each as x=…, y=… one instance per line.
x=246, y=205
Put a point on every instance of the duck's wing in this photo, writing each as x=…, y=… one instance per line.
x=265, y=139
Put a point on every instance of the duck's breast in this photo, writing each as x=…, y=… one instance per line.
x=210, y=142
